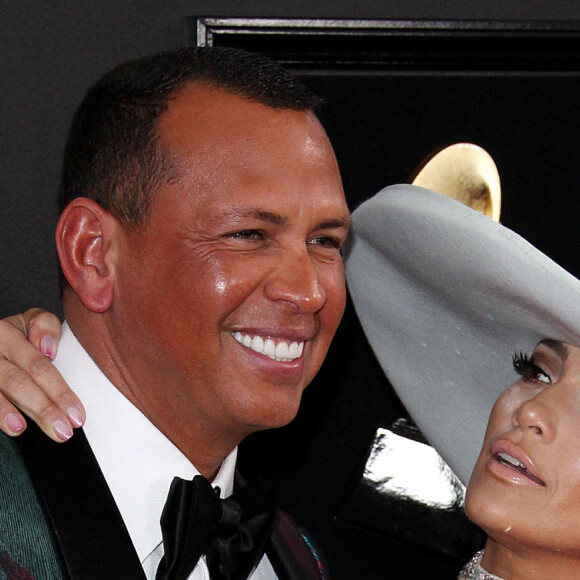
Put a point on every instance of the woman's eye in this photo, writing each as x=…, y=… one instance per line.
x=528, y=369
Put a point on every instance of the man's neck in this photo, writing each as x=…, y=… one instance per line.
x=204, y=444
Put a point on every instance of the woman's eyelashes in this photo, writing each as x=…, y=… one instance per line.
x=529, y=370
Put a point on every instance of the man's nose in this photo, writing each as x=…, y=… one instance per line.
x=295, y=281
x=536, y=416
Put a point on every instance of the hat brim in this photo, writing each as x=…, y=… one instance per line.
x=445, y=297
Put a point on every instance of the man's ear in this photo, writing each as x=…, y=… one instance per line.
x=85, y=242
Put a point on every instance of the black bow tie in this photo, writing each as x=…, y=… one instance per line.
x=231, y=532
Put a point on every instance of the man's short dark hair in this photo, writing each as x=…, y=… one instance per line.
x=114, y=154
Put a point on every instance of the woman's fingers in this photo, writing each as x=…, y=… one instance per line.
x=30, y=382
x=42, y=329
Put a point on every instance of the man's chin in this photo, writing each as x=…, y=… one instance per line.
x=273, y=420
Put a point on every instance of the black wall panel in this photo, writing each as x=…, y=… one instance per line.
x=382, y=125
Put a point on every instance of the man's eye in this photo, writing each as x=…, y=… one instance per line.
x=527, y=368
x=327, y=242
x=246, y=235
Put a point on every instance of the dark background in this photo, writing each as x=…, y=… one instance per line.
x=382, y=125
x=52, y=50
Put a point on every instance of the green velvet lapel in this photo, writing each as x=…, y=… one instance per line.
x=89, y=529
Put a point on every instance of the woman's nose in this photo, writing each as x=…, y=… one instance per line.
x=536, y=417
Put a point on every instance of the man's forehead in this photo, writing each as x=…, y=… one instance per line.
x=200, y=97
x=237, y=132
x=244, y=158
x=199, y=107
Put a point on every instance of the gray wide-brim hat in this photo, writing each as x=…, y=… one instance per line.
x=446, y=296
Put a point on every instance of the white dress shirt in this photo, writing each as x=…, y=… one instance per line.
x=137, y=460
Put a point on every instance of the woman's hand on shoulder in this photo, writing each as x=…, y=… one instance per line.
x=30, y=382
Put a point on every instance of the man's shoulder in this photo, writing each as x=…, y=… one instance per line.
x=18, y=498
x=27, y=545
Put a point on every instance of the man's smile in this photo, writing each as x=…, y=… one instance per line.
x=279, y=350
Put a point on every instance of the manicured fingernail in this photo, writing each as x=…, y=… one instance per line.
x=63, y=430
x=75, y=416
x=48, y=346
x=15, y=423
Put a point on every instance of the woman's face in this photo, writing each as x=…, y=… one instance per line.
x=525, y=488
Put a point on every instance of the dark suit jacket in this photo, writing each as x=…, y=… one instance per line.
x=58, y=519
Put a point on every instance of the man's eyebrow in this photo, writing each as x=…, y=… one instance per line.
x=255, y=213
x=279, y=220
x=557, y=346
x=330, y=224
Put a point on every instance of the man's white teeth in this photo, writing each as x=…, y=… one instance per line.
x=282, y=352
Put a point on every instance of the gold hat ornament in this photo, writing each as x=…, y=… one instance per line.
x=465, y=172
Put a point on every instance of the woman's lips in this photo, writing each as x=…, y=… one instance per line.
x=509, y=461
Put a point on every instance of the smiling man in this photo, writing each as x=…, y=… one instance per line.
x=202, y=220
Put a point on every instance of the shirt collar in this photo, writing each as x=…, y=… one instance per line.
x=137, y=460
